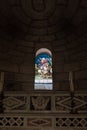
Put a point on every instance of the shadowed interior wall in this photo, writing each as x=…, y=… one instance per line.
x=61, y=27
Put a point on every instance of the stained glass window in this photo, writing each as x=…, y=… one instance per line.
x=43, y=70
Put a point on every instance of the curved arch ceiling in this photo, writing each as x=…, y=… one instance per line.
x=57, y=24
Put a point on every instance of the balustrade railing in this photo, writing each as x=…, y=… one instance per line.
x=44, y=110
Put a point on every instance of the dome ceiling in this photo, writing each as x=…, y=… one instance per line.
x=60, y=23
x=42, y=20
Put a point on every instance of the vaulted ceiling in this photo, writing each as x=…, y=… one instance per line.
x=60, y=25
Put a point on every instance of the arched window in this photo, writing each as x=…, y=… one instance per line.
x=43, y=70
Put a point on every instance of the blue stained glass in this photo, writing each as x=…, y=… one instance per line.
x=43, y=71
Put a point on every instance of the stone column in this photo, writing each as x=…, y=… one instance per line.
x=1, y=91
x=71, y=81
